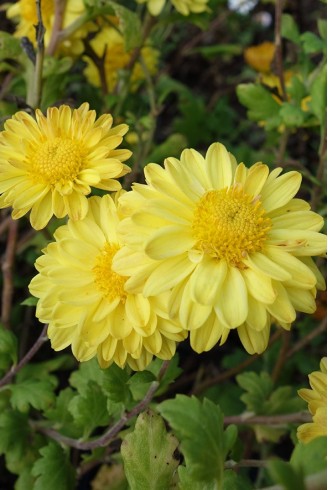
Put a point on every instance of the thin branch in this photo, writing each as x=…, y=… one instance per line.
x=112, y=432
x=278, y=60
x=7, y=271
x=289, y=418
x=307, y=339
x=245, y=463
x=60, y=6
x=34, y=97
x=282, y=356
x=28, y=356
x=233, y=371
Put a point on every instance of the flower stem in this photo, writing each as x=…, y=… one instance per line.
x=34, y=96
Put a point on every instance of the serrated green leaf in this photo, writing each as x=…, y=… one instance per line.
x=25, y=481
x=9, y=46
x=283, y=473
x=42, y=370
x=90, y=409
x=148, y=454
x=140, y=383
x=289, y=28
x=115, y=385
x=292, y=116
x=258, y=388
x=310, y=458
x=88, y=371
x=8, y=344
x=188, y=482
x=62, y=419
x=14, y=433
x=322, y=28
x=282, y=400
x=260, y=104
x=234, y=481
x=192, y=421
x=53, y=470
x=311, y=43
x=34, y=393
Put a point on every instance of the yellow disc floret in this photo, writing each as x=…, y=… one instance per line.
x=230, y=224
x=59, y=160
x=108, y=282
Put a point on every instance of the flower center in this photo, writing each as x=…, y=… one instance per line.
x=108, y=282
x=230, y=224
x=57, y=161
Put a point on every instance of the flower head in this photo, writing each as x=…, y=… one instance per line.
x=184, y=7
x=85, y=302
x=231, y=244
x=48, y=165
x=317, y=405
x=260, y=57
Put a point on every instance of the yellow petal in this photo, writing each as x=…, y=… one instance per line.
x=207, y=279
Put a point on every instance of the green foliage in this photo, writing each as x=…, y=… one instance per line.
x=260, y=104
x=310, y=458
x=8, y=348
x=193, y=420
x=34, y=393
x=53, y=470
x=148, y=454
x=284, y=474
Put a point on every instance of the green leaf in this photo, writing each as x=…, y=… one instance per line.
x=148, y=454
x=38, y=394
x=292, y=116
x=171, y=147
x=322, y=28
x=115, y=385
x=88, y=371
x=234, y=481
x=14, y=433
x=53, y=470
x=25, y=481
x=170, y=375
x=8, y=344
x=192, y=421
x=311, y=43
x=42, y=370
x=188, y=482
x=283, y=473
x=289, y=28
x=258, y=388
x=310, y=458
x=260, y=104
x=30, y=301
x=140, y=383
x=90, y=409
x=62, y=419
x=318, y=94
x=9, y=46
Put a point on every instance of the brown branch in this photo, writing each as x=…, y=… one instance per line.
x=289, y=418
x=282, y=356
x=112, y=432
x=307, y=339
x=245, y=463
x=28, y=356
x=278, y=60
x=7, y=271
x=60, y=6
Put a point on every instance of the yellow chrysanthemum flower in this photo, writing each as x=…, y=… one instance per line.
x=84, y=301
x=317, y=405
x=231, y=242
x=184, y=7
x=47, y=165
x=24, y=13
x=111, y=42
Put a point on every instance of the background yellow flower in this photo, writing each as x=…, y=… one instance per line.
x=85, y=303
x=232, y=244
x=48, y=165
x=317, y=405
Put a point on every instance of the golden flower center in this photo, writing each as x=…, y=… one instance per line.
x=230, y=224
x=57, y=160
x=108, y=282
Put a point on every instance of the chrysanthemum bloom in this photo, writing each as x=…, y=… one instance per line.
x=111, y=42
x=184, y=7
x=317, y=405
x=231, y=242
x=84, y=301
x=47, y=165
x=24, y=13
x=260, y=57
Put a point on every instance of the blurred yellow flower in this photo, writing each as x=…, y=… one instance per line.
x=24, y=14
x=184, y=7
x=84, y=301
x=260, y=57
x=317, y=405
x=110, y=42
x=232, y=244
x=48, y=165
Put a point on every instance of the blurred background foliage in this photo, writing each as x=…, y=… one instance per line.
x=178, y=82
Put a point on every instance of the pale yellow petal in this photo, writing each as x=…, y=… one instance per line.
x=254, y=342
x=207, y=279
x=219, y=166
x=169, y=241
x=281, y=190
x=232, y=305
